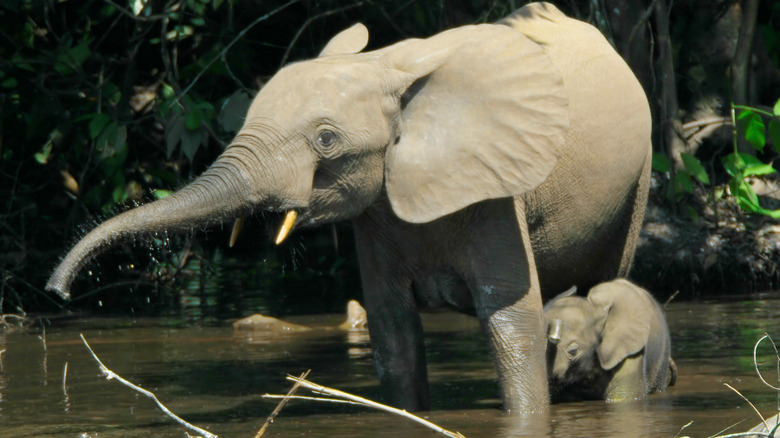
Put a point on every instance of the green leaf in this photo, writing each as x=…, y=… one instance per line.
x=774, y=134
x=174, y=130
x=759, y=169
x=97, y=124
x=776, y=109
x=70, y=61
x=159, y=193
x=683, y=182
x=753, y=129
x=9, y=82
x=733, y=163
x=692, y=213
x=694, y=166
x=234, y=110
x=167, y=91
x=190, y=142
x=192, y=121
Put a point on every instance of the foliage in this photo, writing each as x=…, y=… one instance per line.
x=108, y=104
x=748, y=125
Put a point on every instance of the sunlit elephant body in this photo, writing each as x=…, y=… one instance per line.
x=613, y=345
x=480, y=166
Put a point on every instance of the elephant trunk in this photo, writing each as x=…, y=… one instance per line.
x=223, y=192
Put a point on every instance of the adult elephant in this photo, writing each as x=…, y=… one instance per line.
x=479, y=167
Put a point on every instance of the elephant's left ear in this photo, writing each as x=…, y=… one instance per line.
x=347, y=42
x=484, y=114
x=628, y=321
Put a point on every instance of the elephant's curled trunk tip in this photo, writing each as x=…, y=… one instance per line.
x=58, y=285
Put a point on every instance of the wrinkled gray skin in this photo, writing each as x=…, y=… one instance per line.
x=613, y=345
x=480, y=167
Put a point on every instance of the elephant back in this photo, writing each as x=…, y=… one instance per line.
x=597, y=191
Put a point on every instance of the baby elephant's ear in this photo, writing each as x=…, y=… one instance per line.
x=628, y=316
x=347, y=42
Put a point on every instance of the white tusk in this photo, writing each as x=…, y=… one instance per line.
x=287, y=225
x=556, y=329
x=237, y=225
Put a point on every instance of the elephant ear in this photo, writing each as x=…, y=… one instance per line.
x=483, y=115
x=627, y=321
x=347, y=42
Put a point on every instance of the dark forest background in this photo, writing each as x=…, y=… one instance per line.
x=107, y=104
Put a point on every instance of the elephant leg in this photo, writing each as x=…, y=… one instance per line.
x=509, y=305
x=629, y=382
x=395, y=328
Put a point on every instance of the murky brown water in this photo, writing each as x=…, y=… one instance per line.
x=214, y=378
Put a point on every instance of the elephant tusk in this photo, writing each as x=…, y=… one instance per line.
x=237, y=226
x=287, y=225
x=554, y=335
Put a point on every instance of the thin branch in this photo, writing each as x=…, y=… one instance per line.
x=741, y=64
x=311, y=398
x=310, y=21
x=748, y=402
x=238, y=37
x=319, y=389
x=641, y=22
x=112, y=375
x=746, y=435
x=65, y=380
x=717, y=120
x=281, y=405
x=755, y=360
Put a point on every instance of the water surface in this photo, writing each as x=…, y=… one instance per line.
x=214, y=377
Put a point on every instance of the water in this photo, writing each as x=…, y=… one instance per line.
x=214, y=377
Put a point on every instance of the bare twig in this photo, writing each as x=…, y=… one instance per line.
x=310, y=21
x=683, y=428
x=281, y=405
x=641, y=22
x=748, y=402
x=755, y=359
x=65, y=380
x=227, y=47
x=319, y=389
x=746, y=435
x=671, y=297
x=112, y=375
x=741, y=64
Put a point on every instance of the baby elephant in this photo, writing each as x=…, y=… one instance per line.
x=613, y=345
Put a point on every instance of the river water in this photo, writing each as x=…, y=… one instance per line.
x=214, y=377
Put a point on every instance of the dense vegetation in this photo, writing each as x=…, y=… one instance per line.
x=106, y=104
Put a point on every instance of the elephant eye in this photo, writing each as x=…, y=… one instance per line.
x=326, y=138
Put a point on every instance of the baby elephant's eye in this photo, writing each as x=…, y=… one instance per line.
x=572, y=349
x=326, y=138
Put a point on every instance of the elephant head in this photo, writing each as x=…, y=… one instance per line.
x=587, y=336
x=327, y=138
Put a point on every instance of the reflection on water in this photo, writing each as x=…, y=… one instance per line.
x=214, y=377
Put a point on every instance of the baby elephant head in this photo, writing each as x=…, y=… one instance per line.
x=589, y=337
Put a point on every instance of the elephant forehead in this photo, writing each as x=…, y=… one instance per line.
x=570, y=310
x=319, y=89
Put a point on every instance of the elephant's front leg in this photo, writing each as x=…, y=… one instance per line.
x=629, y=381
x=394, y=326
x=509, y=305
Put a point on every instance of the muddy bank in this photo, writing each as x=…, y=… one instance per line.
x=721, y=250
